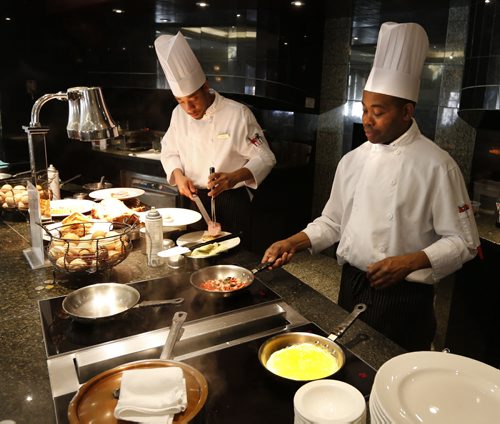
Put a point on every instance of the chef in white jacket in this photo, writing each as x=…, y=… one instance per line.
x=207, y=130
x=399, y=208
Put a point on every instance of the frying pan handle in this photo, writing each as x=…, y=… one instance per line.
x=176, y=301
x=174, y=334
x=344, y=325
x=260, y=267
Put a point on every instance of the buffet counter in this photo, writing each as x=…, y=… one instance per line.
x=26, y=392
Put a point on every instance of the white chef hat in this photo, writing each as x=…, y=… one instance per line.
x=182, y=69
x=399, y=59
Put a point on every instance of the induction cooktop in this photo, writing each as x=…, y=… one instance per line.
x=63, y=333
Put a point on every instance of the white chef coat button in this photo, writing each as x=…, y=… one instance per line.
x=393, y=182
x=397, y=152
x=390, y=216
x=382, y=249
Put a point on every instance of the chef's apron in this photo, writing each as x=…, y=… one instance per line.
x=403, y=312
x=233, y=210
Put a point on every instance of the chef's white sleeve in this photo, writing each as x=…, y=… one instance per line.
x=170, y=158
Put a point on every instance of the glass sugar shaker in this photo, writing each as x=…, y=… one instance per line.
x=154, y=237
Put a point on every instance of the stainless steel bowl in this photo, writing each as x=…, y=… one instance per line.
x=96, y=186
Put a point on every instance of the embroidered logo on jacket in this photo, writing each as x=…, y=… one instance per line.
x=257, y=140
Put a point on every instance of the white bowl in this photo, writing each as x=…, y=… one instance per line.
x=329, y=402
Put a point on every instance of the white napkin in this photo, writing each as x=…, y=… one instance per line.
x=152, y=395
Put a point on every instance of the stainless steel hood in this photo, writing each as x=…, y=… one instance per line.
x=480, y=106
x=480, y=94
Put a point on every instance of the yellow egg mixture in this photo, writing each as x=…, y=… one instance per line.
x=303, y=361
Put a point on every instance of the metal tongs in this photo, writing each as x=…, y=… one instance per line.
x=212, y=200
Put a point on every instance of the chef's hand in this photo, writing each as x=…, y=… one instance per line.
x=281, y=252
x=390, y=270
x=184, y=184
x=221, y=181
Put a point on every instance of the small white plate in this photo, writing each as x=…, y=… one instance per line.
x=175, y=217
x=119, y=193
x=65, y=207
x=197, y=237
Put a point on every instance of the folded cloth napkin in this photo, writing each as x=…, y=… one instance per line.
x=151, y=395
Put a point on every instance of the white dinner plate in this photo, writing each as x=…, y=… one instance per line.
x=437, y=387
x=175, y=217
x=197, y=237
x=65, y=207
x=120, y=193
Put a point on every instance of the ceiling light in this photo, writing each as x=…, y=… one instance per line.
x=238, y=15
x=202, y=4
x=118, y=11
x=298, y=3
x=8, y=19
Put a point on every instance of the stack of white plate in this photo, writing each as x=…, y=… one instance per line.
x=435, y=387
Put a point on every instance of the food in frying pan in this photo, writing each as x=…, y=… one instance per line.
x=223, y=284
x=303, y=361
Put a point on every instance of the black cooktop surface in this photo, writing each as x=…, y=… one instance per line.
x=63, y=333
x=241, y=391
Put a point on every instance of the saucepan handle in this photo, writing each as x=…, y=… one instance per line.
x=344, y=325
x=174, y=334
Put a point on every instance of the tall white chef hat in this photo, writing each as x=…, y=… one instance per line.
x=182, y=69
x=399, y=59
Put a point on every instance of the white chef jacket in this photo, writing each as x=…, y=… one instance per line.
x=228, y=138
x=395, y=199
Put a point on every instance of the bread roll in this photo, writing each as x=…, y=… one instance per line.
x=77, y=265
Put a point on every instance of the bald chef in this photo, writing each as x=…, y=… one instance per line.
x=209, y=131
x=398, y=208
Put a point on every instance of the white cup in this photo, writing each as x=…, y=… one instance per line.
x=329, y=402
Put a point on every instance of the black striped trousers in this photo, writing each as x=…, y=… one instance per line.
x=233, y=210
x=404, y=312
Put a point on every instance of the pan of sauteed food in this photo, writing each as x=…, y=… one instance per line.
x=225, y=279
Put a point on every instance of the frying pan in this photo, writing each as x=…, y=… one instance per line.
x=284, y=340
x=96, y=399
x=106, y=300
x=220, y=272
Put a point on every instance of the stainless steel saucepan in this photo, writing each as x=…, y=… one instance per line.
x=284, y=340
x=107, y=300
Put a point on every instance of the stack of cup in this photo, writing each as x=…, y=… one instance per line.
x=329, y=402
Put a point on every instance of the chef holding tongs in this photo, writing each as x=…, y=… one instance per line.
x=208, y=133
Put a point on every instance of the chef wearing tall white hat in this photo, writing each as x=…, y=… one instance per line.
x=398, y=209
x=209, y=131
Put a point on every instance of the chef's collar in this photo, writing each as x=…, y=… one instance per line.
x=213, y=107
x=402, y=140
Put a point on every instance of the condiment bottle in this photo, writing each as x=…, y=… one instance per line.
x=53, y=177
x=154, y=237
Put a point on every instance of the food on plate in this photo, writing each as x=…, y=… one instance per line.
x=114, y=210
x=302, y=361
x=227, y=284
x=208, y=250
x=214, y=229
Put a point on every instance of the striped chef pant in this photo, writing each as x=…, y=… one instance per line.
x=403, y=312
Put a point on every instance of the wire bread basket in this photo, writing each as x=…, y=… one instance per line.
x=88, y=247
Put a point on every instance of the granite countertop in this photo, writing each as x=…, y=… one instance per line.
x=26, y=395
